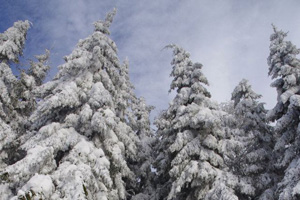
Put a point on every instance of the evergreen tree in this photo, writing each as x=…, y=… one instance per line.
x=16, y=98
x=284, y=67
x=136, y=113
x=189, y=161
x=15, y=101
x=145, y=186
x=79, y=144
x=250, y=143
x=11, y=47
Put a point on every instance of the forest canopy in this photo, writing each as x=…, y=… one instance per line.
x=85, y=134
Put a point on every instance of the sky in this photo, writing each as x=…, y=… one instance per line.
x=229, y=37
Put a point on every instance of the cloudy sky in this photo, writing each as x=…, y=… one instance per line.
x=229, y=37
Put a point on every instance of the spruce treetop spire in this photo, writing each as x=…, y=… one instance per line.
x=284, y=67
x=103, y=26
x=186, y=73
x=243, y=90
x=181, y=63
x=282, y=60
x=12, y=41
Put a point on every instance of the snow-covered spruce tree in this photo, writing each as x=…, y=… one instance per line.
x=11, y=120
x=22, y=103
x=137, y=113
x=16, y=100
x=79, y=144
x=284, y=67
x=189, y=163
x=11, y=47
x=251, y=143
x=145, y=186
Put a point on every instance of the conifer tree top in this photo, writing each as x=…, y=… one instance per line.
x=12, y=41
x=282, y=59
x=103, y=26
x=186, y=73
x=284, y=66
x=243, y=90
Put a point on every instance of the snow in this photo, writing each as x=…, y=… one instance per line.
x=7, y=135
x=296, y=190
x=38, y=160
x=99, y=96
x=28, y=80
x=211, y=142
x=5, y=191
x=41, y=185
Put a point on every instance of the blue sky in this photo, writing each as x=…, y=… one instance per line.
x=230, y=38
